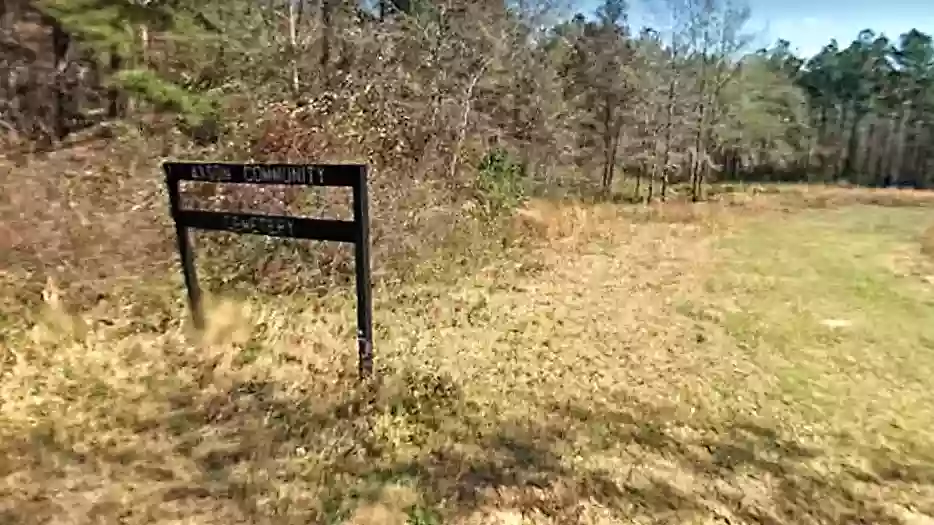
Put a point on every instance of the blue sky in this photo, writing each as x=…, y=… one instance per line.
x=810, y=24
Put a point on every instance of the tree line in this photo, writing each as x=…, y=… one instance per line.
x=428, y=87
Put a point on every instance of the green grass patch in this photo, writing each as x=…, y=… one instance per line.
x=817, y=301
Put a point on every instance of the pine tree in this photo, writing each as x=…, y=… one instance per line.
x=117, y=32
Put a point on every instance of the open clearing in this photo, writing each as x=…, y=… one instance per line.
x=733, y=368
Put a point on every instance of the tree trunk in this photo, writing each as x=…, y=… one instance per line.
x=699, y=145
x=637, y=194
x=898, y=159
x=849, y=164
x=327, y=22
x=465, y=122
x=869, y=150
x=7, y=21
x=651, y=183
x=917, y=159
x=644, y=143
x=883, y=150
x=666, y=154
x=61, y=42
x=7, y=18
x=608, y=184
x=293, y=44
x=927, y=160
x=608, y=153
x=607, y=165
x=698, y=164
x=822, y=141
x=842, y=127
x=115, y=102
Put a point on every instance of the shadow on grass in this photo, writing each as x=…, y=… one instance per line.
x=736, y=450
x=286, y=457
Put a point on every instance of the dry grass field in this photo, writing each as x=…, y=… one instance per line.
x=765, y=358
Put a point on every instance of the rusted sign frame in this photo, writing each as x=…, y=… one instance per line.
x=356, y=231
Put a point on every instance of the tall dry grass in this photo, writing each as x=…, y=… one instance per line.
x=130, y=416
x=530, y=367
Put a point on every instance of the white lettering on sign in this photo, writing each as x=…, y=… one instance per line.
x=210, y=173
x=307, y=175
x=277, y=226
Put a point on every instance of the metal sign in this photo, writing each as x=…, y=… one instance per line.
x=356, y=231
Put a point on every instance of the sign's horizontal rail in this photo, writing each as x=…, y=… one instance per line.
x=344, y=175
x=272, y=225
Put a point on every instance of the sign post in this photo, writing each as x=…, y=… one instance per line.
x=356, y=231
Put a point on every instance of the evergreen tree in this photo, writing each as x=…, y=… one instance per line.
x=117, y=32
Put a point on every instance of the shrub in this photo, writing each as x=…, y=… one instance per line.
x=500, y=181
